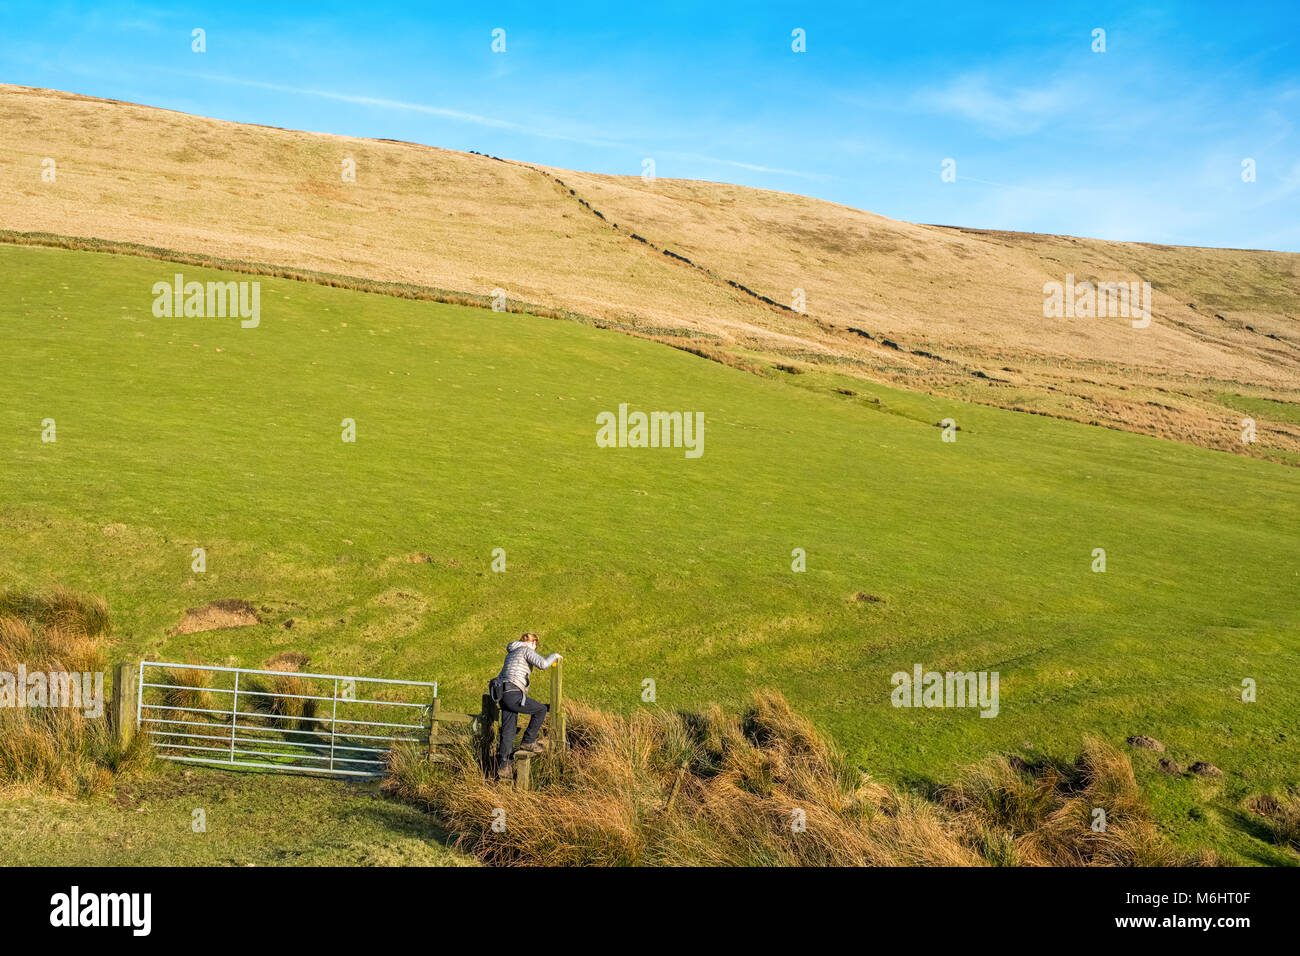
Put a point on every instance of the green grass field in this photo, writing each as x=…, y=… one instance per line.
x=249, y=819
x=476, y=430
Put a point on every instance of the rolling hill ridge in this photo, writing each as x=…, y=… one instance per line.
x=714, y=268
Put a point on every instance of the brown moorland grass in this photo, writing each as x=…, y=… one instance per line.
x=184, y=695
x=281, y=696
x=764, y=788
x=708, y=267
x=58, y=748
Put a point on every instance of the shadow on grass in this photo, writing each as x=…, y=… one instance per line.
x=405, y=820
x=362, y=798
x=1265, y=852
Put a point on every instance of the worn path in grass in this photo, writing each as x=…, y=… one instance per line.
x=476, y=430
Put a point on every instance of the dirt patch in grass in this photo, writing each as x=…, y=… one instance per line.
x=215, y=616
x=422, y=557
x=287, y=661
x=403, y=600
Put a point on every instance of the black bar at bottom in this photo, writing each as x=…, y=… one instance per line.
x=920, y=906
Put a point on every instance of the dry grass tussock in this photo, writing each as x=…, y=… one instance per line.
x=276, y=701
x=282, y=696
x=764, y=788
x=57, y=748
x=1281, y=816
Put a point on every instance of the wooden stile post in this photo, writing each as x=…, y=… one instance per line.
x=523, y=764
x=557, y=704
x=124, y=712
x=489, y=729
x=433, y=726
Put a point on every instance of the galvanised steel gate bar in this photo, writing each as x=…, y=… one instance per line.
x=282, y=709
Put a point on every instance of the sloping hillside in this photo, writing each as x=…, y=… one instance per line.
x=477, y=431
x=710, y=266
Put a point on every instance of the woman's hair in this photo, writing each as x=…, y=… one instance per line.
x=529, y=636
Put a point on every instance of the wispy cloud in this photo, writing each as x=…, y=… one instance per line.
x=441, y=112
x=1001, y=109
x=478, y=119
x=753, y=167
x=1143, y=142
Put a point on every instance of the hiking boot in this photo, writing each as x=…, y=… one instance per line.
x=504, y=772
x=533, y=748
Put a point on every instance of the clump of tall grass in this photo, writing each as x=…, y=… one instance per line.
x=1281, y=815
x=282, y=695
x=57, y=748
x=187, y=689
x=72, y=614
x=1089, y=812
x=764, y=788
x=187, y=695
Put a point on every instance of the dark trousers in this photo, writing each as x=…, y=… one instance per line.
x=514, y=703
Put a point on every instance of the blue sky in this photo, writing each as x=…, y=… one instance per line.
x=1142, y=142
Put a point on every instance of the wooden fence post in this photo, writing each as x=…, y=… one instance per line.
x=433, y=726
x=557, y=704
x=523, y=765
x=124, y=712
x=489, y=728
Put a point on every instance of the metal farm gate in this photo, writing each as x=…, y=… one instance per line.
x=281, y=720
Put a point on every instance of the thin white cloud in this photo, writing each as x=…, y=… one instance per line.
x=461, y=116
x=971, y=96
x=478, y=119
x=750, y=166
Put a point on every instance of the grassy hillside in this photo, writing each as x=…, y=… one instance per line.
x=956, y=312
x=476, y=430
